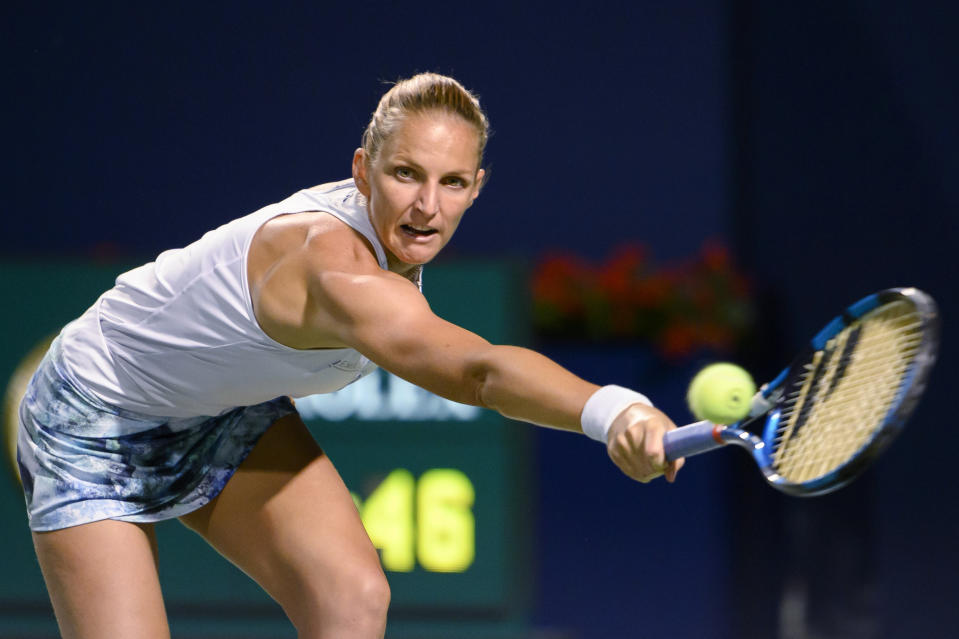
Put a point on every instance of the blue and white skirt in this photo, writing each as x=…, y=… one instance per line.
x=76, y=469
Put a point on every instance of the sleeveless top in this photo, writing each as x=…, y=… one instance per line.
x=178, y=337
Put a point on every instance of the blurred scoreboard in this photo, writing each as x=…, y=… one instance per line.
x=443, y=488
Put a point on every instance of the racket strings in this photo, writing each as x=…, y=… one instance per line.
x=843, y=440
x=845, y=393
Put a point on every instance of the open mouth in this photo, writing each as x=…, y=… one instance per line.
x=418, y=231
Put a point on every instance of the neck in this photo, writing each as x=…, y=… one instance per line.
x=409, y=271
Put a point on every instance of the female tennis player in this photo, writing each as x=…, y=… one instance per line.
x=169, y=396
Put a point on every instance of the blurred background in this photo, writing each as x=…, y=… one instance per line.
x=672, y=183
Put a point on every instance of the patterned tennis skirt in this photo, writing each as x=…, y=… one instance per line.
x=82, y=460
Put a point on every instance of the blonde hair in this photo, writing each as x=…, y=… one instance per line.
x=422, y=93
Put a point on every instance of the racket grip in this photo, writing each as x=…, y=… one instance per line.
x=690, y=440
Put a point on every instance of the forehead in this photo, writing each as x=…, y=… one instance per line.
x=437, y=137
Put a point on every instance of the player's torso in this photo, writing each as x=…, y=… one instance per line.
x=179, y=336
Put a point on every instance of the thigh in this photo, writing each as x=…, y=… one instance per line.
x=287, y=520
x=102, y=580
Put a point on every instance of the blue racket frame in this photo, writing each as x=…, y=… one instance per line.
x=704, y=436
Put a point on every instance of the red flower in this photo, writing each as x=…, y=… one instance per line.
x=701, y=302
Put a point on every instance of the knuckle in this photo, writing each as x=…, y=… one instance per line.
x=617, y=456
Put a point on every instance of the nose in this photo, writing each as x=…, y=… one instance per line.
x=428, y=202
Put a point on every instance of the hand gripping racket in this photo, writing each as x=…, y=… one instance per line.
x=826, y=417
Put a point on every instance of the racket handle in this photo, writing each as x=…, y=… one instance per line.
x=690, y=440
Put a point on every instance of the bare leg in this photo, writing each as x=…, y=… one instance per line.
x=102, y=580
x=286, y=519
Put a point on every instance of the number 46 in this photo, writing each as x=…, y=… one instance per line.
x=431, y=520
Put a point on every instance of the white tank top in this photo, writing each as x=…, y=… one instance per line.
x=178, y=337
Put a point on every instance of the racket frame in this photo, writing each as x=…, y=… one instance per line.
x=767, y=404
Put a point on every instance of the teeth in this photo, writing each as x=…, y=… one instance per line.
x=418, y=229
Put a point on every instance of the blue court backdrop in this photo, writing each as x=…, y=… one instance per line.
x=818, y=140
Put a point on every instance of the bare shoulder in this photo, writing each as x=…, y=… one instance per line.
x=296, y=268
x=315, y=234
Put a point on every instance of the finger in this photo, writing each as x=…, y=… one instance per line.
x=672, y=468
x=633, y=436
x=645, y=476
x=616, y=454
x=653, y=444
x=625, y=459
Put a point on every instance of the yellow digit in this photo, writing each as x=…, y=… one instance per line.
x=447, y=528
x=388, y=518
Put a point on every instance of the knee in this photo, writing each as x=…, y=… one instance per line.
x=368, y=597
x=356, y=601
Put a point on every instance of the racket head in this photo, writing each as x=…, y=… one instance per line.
x=847, y=395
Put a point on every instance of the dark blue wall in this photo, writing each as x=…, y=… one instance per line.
x=141, y=126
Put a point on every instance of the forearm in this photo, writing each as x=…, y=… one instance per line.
x=391, y=323
x=524, y=385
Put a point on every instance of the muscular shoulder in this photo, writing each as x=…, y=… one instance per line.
x=314, y=236
x=297, y=268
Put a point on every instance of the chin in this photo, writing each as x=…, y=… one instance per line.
x=413, y=259
x=417, y=257
x=419, y=260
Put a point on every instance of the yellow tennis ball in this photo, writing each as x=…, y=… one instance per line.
x=721, y=393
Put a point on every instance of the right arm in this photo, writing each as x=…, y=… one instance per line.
x=388, y=320
x=317, y=298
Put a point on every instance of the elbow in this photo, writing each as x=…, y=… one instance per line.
x=480, y=381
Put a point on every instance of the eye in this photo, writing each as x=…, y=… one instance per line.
x=457, y=182
x=403, y=173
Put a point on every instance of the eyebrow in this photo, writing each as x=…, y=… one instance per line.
x=400, y=158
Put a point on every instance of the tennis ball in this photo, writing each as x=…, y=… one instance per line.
x=721, y=393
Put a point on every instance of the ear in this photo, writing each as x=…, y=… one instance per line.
x=478, y=185
x=360, y=172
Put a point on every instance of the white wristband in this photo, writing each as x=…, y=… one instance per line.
x=604, y=406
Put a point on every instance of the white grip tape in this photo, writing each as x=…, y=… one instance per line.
x=604, y=406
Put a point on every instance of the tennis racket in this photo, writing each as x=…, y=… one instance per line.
x=825, y=418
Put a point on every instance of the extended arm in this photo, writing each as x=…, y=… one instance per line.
x=310, y=293
x=388, y=320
